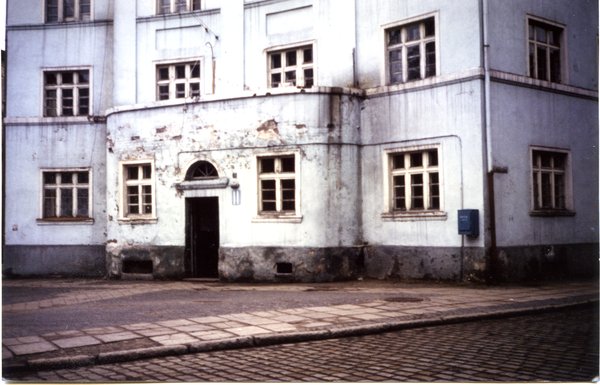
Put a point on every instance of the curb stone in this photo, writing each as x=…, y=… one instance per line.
x=225, y=344
x=282, y=338
x=137, y=354
x=287, y=338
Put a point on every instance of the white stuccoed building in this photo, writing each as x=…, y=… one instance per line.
x=302, y=140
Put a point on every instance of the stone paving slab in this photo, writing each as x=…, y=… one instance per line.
x=438, y=306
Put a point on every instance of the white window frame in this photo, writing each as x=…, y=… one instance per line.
x=174, y=4
x=392, y=214
x=536, y=179
x=562, y=47
x=75, y=86
x=77, y=16
x=124, y=215
x=172, y=82
x=279, y=215
x=299, y=68
x=74, y=185
x=403, y=24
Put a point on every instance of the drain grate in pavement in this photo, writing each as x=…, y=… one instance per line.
x=403, y=299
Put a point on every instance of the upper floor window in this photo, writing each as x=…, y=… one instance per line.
x=67, y=10
x=544, y=51
x=411, y=51
x=177, y=81
x=174, y=6
x=293, y=67
x=67, y=93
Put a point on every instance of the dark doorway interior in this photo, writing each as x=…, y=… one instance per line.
x=202, y=237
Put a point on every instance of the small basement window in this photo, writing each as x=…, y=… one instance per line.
x=284, y=268
x=137, y=267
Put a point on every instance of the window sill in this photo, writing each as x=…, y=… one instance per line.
x=552, y=213
x=409, y=216
x=64, y=221
x=137, y=221
x=203, y=184
x=277, y=218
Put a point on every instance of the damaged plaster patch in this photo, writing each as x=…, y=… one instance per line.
x=268, y=130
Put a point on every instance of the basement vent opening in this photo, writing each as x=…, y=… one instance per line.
x=137, y=267
x=284, y=268
x=403, y=299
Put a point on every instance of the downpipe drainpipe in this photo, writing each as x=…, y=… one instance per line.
x=492, y=277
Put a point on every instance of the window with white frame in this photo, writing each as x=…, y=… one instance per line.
x=66, y=194
x=58, y=11
x=411, y=51
x=551, y=181
x=174, y=6
x=67, y=93
x=178, y=81
x=293, y=67
x=544, y=51
x=138, y=186
x=277, y=184
x=415, y=181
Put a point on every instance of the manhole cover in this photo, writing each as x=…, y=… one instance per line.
x=403, y=299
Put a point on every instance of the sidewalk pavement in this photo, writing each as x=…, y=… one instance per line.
x=416, y=306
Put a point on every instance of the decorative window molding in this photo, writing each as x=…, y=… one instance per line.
x=414, y=183
x=67, y=92
x=278, y=187
x=551, y=182
x=176, y=6
x=178, y=80
x=291, y=66
x=137, y=194
x=59, y=11
x=546, y=50
x=65, y=196
x=411, y=49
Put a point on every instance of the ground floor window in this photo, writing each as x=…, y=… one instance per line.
x=550, y=180
x=415, y=178
x=66, y=194
x=138, y=198
x=278, y=189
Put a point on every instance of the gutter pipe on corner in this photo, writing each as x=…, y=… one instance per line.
x=492, y=277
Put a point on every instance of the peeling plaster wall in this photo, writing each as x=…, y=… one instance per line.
x=322, y=126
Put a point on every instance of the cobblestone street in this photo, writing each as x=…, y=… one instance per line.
x=557, y=346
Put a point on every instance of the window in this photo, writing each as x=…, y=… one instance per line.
x=67, y=93
x=58, y=11
x=201, y=170
x=415, y=181
x=277, y=184
x=550, y=177
x=544, y=51
x=66, y=194
x=137, y=201
x=138, y=184
x=411, y=51
x=174, y=6
x=178, y=81
x=293, y=67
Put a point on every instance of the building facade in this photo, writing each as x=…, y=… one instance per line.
x=302, y=140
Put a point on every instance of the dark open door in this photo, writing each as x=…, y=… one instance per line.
x=202, y=237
